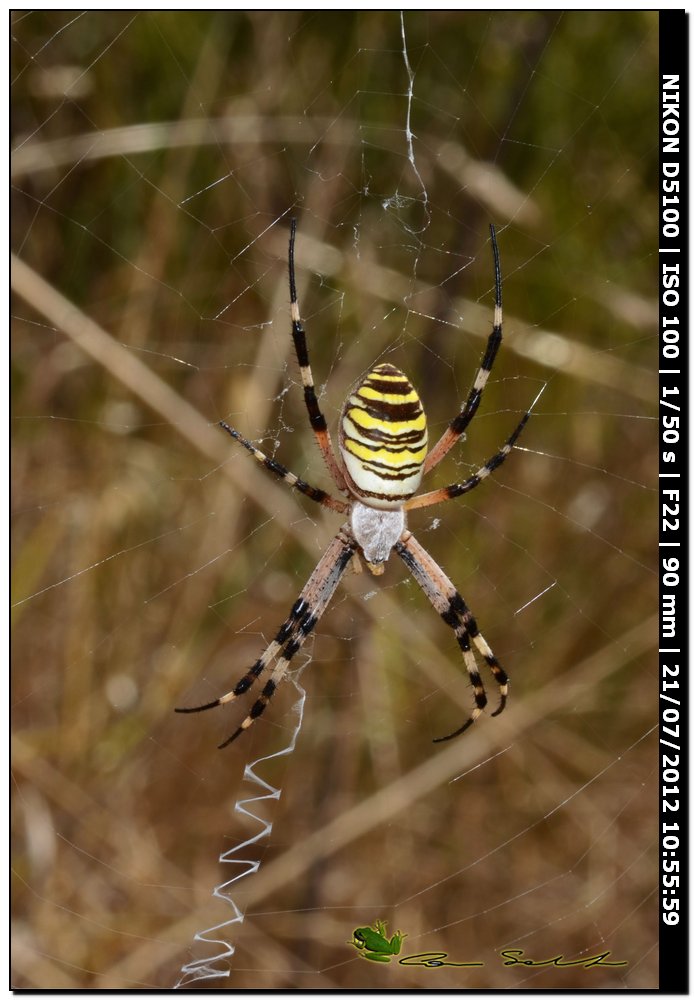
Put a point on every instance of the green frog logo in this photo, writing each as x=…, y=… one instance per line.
x=373, y=942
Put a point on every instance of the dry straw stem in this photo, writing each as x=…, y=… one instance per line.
x=481, y=179
x=139, y=379
x=486, y=182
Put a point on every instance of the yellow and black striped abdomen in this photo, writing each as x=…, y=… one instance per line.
x=383, y=438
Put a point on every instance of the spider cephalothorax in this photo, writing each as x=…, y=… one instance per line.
x=383, y=458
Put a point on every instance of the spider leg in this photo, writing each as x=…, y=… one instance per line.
x=457, y=426
x=303, y=618
x=457, y=489
x=456, y=614
x=279, y=470
x=315, y=415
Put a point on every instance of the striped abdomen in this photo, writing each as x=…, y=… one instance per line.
x=383, y=438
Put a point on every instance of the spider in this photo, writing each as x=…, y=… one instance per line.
x=383, y=450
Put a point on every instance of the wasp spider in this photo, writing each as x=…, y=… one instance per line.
x=383, y=447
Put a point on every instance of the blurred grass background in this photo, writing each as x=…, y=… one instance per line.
x=157, y=160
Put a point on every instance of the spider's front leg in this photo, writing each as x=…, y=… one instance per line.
x=457, y=426
x=456, y=614
x=303, y=618
x=315, y=414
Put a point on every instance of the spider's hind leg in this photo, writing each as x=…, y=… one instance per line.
x=484, y=649
x=303, y=618
x=260, y=664
x=456, y=614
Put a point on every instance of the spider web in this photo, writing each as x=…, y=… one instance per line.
x=158, y=159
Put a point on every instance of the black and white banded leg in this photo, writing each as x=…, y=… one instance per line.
x=315, y=415
x=281, y=471
x=456, y=614
x=458, y=425
x=457, y=489
x=302, y=619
